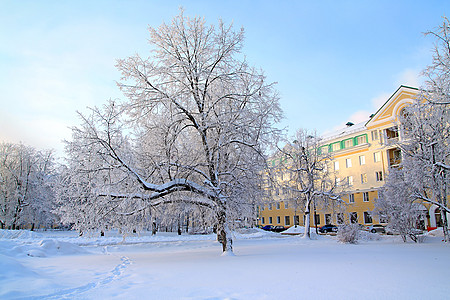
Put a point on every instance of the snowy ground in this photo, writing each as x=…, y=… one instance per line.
x=60, y=265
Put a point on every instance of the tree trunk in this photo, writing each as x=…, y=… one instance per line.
x=307, y=234
x=187, y=223
x=444, y=225
x=223, y=232
x=154, y=228
x=32, y=227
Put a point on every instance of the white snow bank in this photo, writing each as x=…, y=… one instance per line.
x=437, y=232
x=22, y=246
x=294, y=230
x=19, y=234
x=251, y=233
x=368, y=236
x=54, y=247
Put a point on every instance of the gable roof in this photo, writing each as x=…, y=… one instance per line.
x=389, y=111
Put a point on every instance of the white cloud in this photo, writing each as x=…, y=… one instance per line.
x=379, y=100
x=409, y=77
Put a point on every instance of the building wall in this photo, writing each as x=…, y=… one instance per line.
x=363, y=157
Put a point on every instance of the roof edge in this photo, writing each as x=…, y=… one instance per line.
x=396, y=91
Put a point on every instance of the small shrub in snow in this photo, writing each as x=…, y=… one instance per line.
x=348, y=233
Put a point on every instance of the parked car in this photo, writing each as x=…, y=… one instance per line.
x=328, y=228
x=273, y=228
x=377, y=228
x=278, y=229
x=268, y=228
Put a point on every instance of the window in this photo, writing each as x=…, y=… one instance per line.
x=337, y=181
x=362, y=160
x=324, y=149
x=270, y=220
x=278, y=220
x=296, y=220
x=317, y=218
x=278, y=205
x=377, y=157
x=350, y=180
x=336, y=146
x=287, y=220
x=367, y=217
x=364, y=178
x=375, y=136
x=263, y=220
x=336, y=165
x=379, y=175
x=366, y=196
x=340, y=218
x=327, y=219
x=351, y=198
x=286, y=205
x=354, y=217
x=348, y=162
x=348, y=143
x=361, y=139
x=270, y=207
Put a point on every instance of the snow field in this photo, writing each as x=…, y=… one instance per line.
x=265, y=266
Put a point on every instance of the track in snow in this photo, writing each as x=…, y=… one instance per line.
x=73, y=293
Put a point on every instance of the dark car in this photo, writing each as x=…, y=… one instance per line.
x=273, y=228
x=278, y=228
x=328, y=228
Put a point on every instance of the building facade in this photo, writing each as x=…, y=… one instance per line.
x=362, y=156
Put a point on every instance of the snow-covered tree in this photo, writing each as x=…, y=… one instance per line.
x=425, y=133
x=309, y=179
x=194, y=128
x=437, y=87
x=398, y=205
x=425, y=129
x=26, y=179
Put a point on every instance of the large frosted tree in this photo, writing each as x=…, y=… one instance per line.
x=194, y=129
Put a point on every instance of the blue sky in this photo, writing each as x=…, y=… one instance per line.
x=334, y=61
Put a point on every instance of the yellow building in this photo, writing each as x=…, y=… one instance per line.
x=362, y=157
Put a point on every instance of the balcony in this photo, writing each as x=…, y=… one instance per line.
x=391, y=135
x=394, y=157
